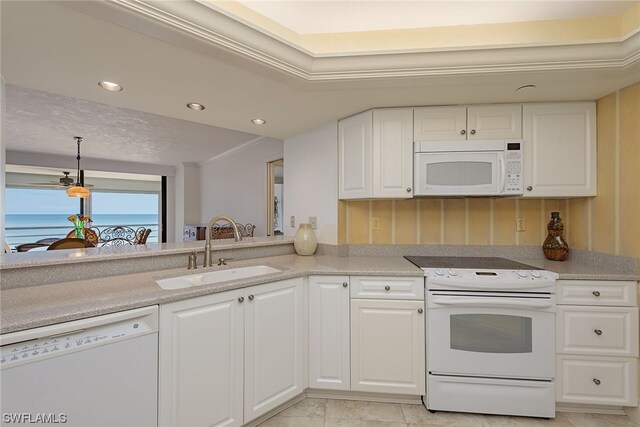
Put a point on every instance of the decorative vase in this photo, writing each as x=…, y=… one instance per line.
x=555, y=247
x=305, y=241
x=79, y=232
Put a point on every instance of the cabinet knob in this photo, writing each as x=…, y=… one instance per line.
x=387, y=288
x=241, y=300
x=596, y=293
x=596, y=381
x=473, y=131
x=529, y=188
x=420, y=310
x=408, y=189
x=250, y=297
x=463, y=131
x=598, y=331
x=345, y=284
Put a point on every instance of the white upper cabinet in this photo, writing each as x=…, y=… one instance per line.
x=354, y=157
x=560, y=149
x=376, y=154
x=473, y=122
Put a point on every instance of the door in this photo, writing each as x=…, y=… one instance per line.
x=560, y=149
x=329, y=363
x=392, y=153
x=451, y=174
x=275, y=191
x=440, y=124
x=490, y=335
x=388, y=346
x=201, y=354
x=274, y=346
x=494, y=121
x=354, y=157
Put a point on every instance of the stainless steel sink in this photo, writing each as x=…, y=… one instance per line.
x=217, y=276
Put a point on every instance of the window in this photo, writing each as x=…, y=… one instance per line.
x=130, y=209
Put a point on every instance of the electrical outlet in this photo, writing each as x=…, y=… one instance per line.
x=293, y=221
x=375, y=223
x=314, y=222
x=520, y=225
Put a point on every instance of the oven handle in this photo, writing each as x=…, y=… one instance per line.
x=490, y=302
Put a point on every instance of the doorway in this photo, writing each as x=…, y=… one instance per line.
x=275, y=192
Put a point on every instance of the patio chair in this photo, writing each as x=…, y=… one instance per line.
x=70, y=243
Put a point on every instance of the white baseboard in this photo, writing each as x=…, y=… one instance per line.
x=365, y=396
x=589, y=409
x=633, y=413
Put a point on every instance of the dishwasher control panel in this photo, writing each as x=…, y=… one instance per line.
x=50, y=346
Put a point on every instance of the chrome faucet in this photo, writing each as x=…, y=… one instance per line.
x=208, y=262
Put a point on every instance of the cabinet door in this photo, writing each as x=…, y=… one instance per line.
x=354, y=156
x=494, y=121
x=329, y=364
x=201, y=354
x=392, y=153
x=559, y=149
x=388, y=346
x=274, y=346
x=439, y=123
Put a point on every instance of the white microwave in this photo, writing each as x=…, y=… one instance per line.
x=468, y=168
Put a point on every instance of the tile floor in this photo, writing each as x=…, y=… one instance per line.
x=347, y=413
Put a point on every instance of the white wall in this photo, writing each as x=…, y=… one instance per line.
x=235, y=184
x=311, y=181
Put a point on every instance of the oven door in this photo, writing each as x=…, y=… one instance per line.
x=459, y=173
x=492, y=334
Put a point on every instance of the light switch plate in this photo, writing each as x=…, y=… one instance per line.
x=293, y=221
x=314, y=222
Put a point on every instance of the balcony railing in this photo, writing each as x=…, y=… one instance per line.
x=18, y=235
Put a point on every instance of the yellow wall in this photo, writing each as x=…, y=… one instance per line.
x=608, y=223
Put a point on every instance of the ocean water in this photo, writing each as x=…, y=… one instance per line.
x=26, y=228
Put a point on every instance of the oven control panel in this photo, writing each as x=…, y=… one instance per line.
x=534, y=280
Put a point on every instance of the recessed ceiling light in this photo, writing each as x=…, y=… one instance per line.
x=258, y=121
x=195, y=106
x=110, y=86
x=526, y=88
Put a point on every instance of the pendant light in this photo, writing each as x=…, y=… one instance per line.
x=78, y=190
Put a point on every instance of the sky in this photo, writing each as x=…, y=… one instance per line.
x=48, y=201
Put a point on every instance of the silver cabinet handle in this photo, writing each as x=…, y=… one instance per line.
x=250, y=297
x=473, y=131
x=463, y=131
x=345, y=284
x=241, y=300
x=529, y=188
x=387, y=288
x=596, y=381
x=420, y=310
x=408, y=189
x=598, y=331
x=596, y=293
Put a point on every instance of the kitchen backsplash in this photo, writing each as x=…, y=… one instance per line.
x=608, y=223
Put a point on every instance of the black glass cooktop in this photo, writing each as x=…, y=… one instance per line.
x=490, y=263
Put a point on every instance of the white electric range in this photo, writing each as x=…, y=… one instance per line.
x=490, y=328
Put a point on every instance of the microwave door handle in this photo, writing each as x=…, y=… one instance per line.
x=503, y=172
x=489, y=302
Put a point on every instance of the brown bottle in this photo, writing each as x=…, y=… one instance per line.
x=555, y=248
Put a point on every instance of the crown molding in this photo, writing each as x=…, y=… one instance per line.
x=234, y=150
x=201, y=28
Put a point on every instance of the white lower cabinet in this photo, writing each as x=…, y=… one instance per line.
x=597, y=342
x=387, y=346
x=230, y=357
x=329, y=352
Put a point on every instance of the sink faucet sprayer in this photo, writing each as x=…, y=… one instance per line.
x=208, y=262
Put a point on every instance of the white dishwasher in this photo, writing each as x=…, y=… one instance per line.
x=100, y=371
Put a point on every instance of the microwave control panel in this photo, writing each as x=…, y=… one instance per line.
x=513, y=169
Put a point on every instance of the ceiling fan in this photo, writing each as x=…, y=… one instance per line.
x=64, y=182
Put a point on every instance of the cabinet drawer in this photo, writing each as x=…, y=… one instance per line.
x=597, y=292
x=387, y=287
x=596, y=380
x=604, y=331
